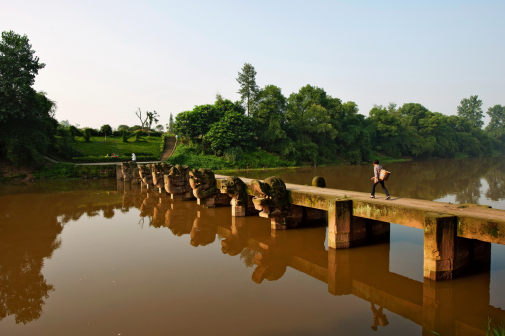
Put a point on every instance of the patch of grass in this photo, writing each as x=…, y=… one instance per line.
x=98, y=147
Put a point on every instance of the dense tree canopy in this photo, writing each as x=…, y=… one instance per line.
x=27, y=126
x=313, y=127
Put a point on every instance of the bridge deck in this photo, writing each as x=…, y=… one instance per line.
x=474, y=221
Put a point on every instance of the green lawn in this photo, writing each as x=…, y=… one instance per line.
x=100, y=148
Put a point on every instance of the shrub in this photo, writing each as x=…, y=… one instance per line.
x=87, y=134
x=58, y=170
x=125, y=138
x=233, y=154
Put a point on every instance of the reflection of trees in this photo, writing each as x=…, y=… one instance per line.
x=496, y=180
x=247, y=256
x=469, y=193
x=29, y=228
x=27, y=238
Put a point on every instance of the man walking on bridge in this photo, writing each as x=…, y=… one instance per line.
x=376, y=179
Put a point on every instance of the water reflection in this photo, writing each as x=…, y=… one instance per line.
x=429, y=180
x=28, y=237
x=23, y=288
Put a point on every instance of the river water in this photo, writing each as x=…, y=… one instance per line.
x=91, y=258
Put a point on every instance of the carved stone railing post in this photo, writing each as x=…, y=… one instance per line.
x=129, y=171
x=146, y=175
x=241, y=203
x=272, y=199
x=158, y=171
x=204, y=185
x=177, y=183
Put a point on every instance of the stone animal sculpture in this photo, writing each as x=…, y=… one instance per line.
x=145, y=174
x=241, y=202
x=204, y=185
x=319, y=181
x=236, y=189
x=177, y=183
x=272, y=197
x=159, y=170
x=129, y=170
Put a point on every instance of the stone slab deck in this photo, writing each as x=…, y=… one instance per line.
x=473, y=221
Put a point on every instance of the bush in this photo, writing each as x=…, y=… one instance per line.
x=125, y=138
x=188, y=155
x=233, y=154
x=87, y=134
x=58, y=170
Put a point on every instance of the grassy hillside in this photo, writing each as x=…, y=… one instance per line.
x=150, y=148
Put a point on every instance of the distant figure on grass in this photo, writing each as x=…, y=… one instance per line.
x=376, y=179
x=134, y=158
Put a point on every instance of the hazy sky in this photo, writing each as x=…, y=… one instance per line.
x=104, y=59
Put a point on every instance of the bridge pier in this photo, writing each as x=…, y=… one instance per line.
x=447, y=255
x=346, y=231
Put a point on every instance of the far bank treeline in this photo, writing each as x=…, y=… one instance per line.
x=310, y=126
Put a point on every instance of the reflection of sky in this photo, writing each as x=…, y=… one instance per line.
x=482, y=198
x=406, y=252
x=497, y=289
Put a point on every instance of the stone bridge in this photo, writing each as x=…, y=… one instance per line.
x=456, y=237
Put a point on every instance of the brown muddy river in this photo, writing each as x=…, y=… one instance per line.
x=89, y=258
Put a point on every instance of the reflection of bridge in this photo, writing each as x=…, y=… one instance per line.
x=458, y=307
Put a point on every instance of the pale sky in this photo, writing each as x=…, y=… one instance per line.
x=104, y=59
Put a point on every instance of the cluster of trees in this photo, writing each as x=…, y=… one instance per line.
x=27, y=124
x=312, y=126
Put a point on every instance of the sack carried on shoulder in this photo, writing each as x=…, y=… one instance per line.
x=384, y=175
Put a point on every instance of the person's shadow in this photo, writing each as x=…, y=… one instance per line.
x=379, y=318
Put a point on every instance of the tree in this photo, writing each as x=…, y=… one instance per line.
x=159, y=128
x=248, y=88
x=65, y=123
x=170, y=125
x=470, y=109
x=196, y=123
x=233, y=130
x=270, y=117
x=123, y=128
x=142, y=121
x=311, y=115
x=106, y=129
x=496, y=127
x=27, y=126
x=151, y=117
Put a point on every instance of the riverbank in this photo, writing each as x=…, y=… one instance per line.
x=249, y=162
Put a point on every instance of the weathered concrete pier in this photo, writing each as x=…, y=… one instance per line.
x=456, y=237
